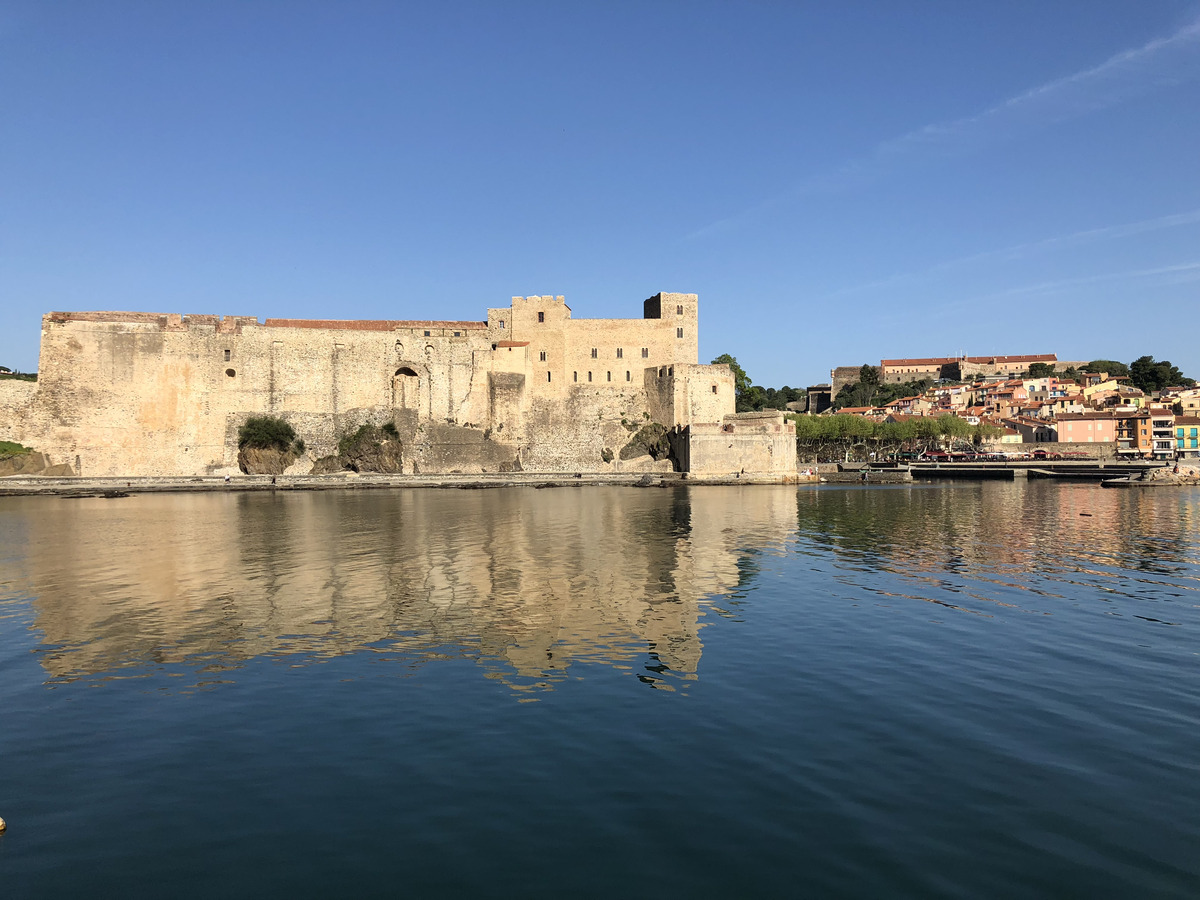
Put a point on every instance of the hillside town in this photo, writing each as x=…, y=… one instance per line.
x=1063, y=408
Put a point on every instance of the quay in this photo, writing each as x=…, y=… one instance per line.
x=1009, y=470
x=1004, y=470
x=115, y=487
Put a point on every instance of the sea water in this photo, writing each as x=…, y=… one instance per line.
x=927, y=691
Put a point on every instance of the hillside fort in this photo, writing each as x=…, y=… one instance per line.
x=529, y=389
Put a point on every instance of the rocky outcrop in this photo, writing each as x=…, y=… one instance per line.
x=1183, y=474
x=33, y=463
x=369, y=449
x=264, y=461
x=302, y=466
x=328, y=465
x=651, y=440
x=1179, y=474
x=373, y=451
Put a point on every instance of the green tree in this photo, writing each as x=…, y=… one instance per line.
x=1041, y=370
x=1111, y=366
x=742, y=393
x=755, y=398
x=860, y=394
x=780, y=398
x=1149, y=375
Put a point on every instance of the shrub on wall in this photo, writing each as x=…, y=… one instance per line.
x=12, y=448
x=266, y=433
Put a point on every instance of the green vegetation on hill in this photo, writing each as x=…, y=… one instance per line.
x=1111, y=366
x=869, y=390
x=1145, y=373
x=1148, y=375
x=18, y=376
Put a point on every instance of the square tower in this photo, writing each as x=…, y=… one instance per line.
x=680, y=314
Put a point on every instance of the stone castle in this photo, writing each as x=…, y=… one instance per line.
x=529, y=389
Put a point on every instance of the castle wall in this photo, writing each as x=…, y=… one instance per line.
x=757, y=443
x=573, y=434
x=16, y=402
x=15, y=397
x=704, y=394
x=164, y=394
x=687, y=392
x=844, y=375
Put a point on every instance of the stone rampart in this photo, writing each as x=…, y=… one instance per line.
x=1094, y=450
x=758, y=443
x=153, y=394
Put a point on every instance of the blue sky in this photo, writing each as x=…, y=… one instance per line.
x=839, y=182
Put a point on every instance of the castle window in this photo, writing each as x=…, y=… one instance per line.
x=610, y=376
x=574, y=376
x=645, y=353
x=714, y=388
x=230, y=372
x=589, y=376
x=678, y=332
x=593, y=353
x=627, y=378
x=679, y=310
x=542, y=356
x=620, y=352
x=501, y=323
x=427, y=334
x=399, y=348
x=458, y=334
x=547, y=376
x=541, y=317
x=226, y=356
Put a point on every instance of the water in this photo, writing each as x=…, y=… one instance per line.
x=931, y=691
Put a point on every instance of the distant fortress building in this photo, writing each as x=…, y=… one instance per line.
x=953, y=368
x=530, y=389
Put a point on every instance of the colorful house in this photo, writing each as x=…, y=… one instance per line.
x=1087, y=428
x=1187, y=436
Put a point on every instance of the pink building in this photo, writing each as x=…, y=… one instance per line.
x=1087, y=428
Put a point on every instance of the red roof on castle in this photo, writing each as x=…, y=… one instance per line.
x=175, y=320
x=370, y=324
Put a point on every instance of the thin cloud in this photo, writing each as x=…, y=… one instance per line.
x=1026, y=250
x=1180, y=273
x=1160, y=62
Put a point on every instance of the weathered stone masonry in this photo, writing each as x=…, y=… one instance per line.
x=529, y=389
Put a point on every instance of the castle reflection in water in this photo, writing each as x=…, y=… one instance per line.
x=527, y=583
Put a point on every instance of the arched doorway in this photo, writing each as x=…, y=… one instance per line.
x=406, y=388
